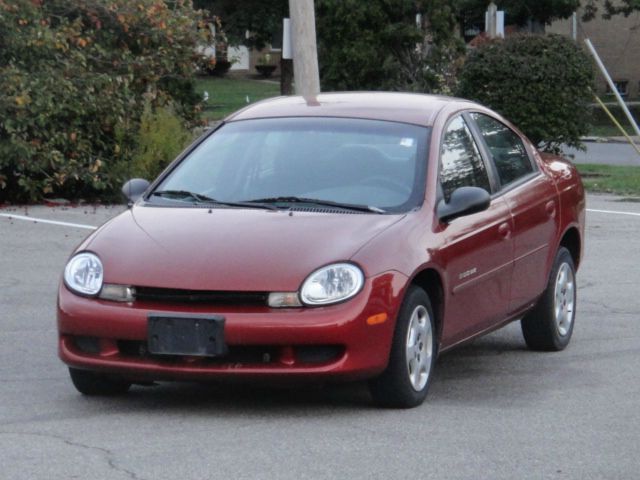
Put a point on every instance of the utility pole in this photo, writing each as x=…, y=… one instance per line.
x=305, y=54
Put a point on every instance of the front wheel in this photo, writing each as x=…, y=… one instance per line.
x=94, y=383
x=405, y=381
x=549, y=325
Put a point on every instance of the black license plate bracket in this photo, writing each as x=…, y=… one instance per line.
x=190, y=334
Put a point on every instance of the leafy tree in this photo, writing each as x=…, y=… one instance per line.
x=611, y=8
x=523, y=13
x=361, y=45
x=519, y=12
x=359, y=42
x=433, y=66
x=540, y=82
x=259, y=18
x=74, y=78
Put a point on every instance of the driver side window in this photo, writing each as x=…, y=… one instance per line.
x=460, y=162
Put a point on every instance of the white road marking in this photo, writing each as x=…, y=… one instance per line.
x=92, y=227
x=614, y=212
x=51, y=222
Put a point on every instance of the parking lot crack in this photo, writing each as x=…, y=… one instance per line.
x=109, y=456
x=608, y=308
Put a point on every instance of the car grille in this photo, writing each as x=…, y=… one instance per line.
x=168, y=295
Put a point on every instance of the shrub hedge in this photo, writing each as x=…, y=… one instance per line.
x=74, y=78
x=542, y=83
x=162, y=136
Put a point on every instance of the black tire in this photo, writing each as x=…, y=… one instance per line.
x=544, y=328
x=394, y=388
x=94, y=383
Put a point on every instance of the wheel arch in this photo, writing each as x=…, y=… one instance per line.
x=430, y=281
x=571, y=241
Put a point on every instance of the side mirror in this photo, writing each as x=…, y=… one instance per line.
x=134, y=189
x=463, y=201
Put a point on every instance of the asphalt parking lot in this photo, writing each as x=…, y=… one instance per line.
x=495, y=409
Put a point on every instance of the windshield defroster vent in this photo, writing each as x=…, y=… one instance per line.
x=324, y=210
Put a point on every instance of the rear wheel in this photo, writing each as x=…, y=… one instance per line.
x=94, y=383
x=549, y=325
x=405, y=381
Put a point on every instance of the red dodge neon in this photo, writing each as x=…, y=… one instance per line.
x=348, y=236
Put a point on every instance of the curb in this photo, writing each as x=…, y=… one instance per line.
x=608, y=139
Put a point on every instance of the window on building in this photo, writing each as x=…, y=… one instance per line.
x=622, y=86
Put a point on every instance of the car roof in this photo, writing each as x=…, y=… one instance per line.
x=414, y=108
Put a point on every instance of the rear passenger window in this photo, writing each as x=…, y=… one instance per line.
x=460, y=162
x=507, y=150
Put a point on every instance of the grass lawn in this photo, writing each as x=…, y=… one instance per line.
x=608, y=130
x=229, y=94
x=611, y=179
x=602, y=126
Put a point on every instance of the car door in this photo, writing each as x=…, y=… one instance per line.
x=478, y=248
x=532, y=199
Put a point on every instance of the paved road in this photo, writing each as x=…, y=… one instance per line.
x=607, y=153
x=495, y=411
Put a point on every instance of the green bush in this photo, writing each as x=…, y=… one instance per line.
x=74, y=78
x=542, y=83
x=162, y=136
x=433, y=65
x=359, y=43
x=376, y=45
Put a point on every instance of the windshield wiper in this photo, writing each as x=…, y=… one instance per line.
x=200, y=199
x=182, y=194
x=317, y=201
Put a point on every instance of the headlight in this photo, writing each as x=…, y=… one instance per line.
x=332, y=284
x=83, y=274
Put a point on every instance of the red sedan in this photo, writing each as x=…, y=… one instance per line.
x=351, y=236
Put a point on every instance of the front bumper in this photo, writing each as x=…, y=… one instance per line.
x=330, y=342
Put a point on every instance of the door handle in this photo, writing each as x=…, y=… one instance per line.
x=550, y=207
x=504, y=230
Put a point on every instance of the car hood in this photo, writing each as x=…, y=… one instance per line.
x=228, y=249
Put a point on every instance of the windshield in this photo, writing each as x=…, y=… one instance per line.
x=373, y=164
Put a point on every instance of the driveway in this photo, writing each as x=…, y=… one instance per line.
x=495, y=410
x=608, y=153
